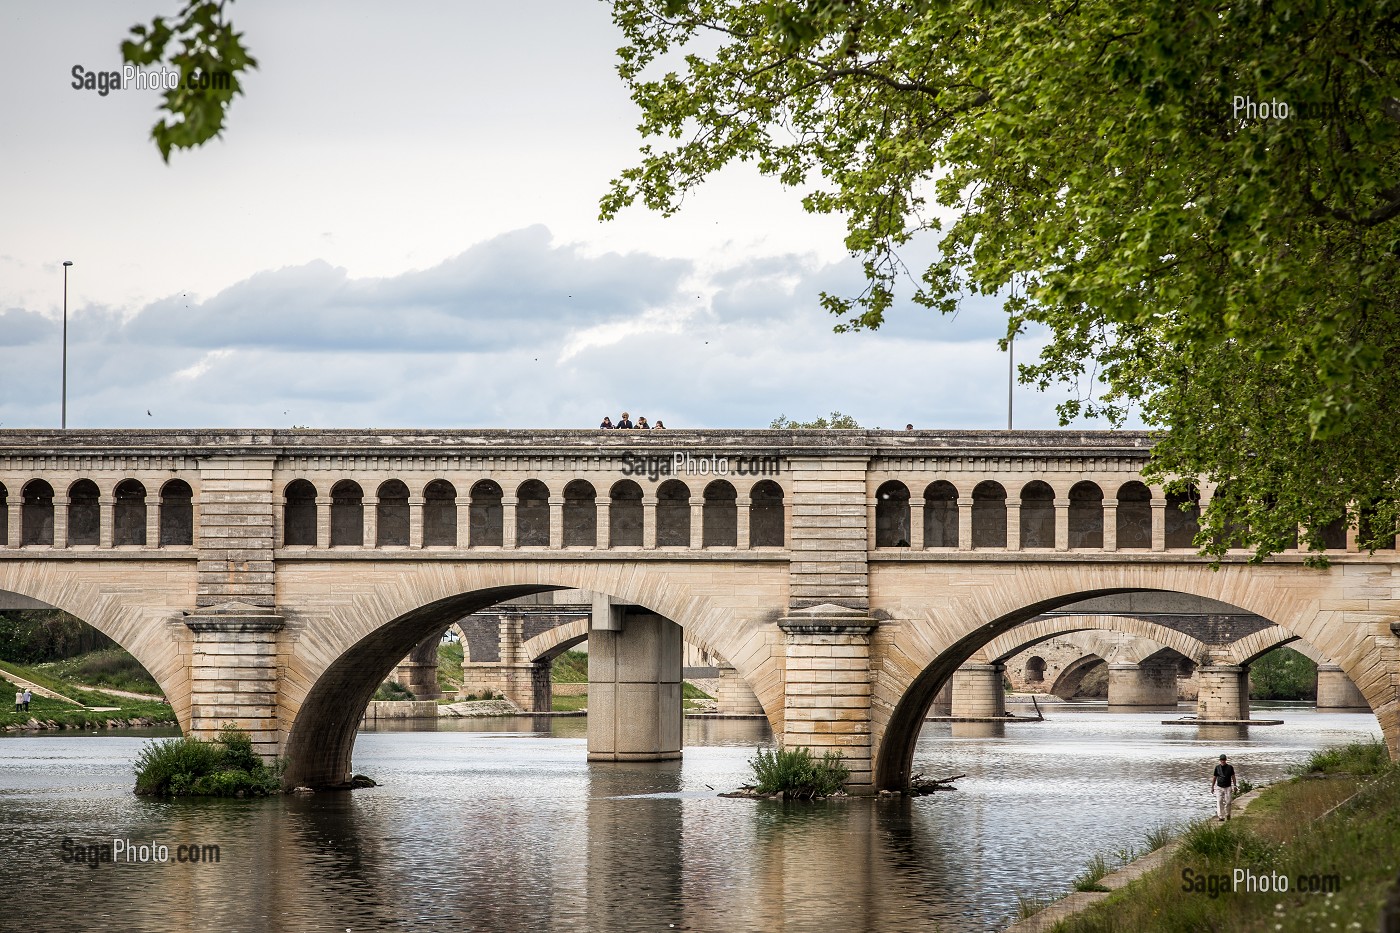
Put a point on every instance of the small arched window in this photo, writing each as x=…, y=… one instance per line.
x=440, y=514
x=84, y=513
x=721, y=515
x=36, y=514
x=1035, y=669
x=988, y=515
x=487, y=523
x=176, y=514
x=391, y=514
x=673, y=514
x=580, y=514
x=892, y=515
x=532, y=514
x=299, y=514
x=1183, y=518
x=625, y=515
x=347, y=514
x=767, y=520
x=129, y=514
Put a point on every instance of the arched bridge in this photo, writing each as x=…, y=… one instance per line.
x=274, y=578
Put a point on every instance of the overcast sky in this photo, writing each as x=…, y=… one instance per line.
x=399, y=229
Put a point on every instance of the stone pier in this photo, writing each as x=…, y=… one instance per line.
x=1336, y=691
x=1224, y=692
x=1142, y=684
x=418, y=673
x=634, y=685
x=978, y=691
x=735, y=696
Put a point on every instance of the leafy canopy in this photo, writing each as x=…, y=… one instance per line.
x=837, y=421
x=1229, y=272
x=208, y=59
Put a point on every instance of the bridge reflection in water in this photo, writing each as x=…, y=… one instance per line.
x=474, y=829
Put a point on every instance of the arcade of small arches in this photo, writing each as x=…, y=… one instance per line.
x=75, y=519
x=1041, y=517
x=531, y=516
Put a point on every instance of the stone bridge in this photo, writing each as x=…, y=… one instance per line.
x=274, y=578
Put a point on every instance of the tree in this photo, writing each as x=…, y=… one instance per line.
x=1201, y=202
x=837, y=422
x=201, y=47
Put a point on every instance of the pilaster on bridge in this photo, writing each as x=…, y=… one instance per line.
x=272, y=579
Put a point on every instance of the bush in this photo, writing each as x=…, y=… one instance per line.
x=1370, y=757
x=392, y=690
x=796, y=774
x=190, y=767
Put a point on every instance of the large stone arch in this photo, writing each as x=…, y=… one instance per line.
x=1067, y=683
x=939, y=624
x=147, y=622
x=337, y=656
x=549, y=644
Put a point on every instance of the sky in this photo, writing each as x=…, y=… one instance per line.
x=399, y=228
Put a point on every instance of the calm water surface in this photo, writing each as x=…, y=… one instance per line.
x=482, y=826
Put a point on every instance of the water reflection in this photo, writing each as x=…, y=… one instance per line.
x=503, y=825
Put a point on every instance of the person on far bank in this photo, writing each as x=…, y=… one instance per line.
x=642, y=423
x=607, y=424
x=27, y=697
x=625, y=422
x=1222, y=784
x=19, y=700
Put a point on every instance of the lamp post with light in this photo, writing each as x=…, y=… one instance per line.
x=63, y=416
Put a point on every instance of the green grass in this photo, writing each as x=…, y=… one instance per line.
x=110, y=668
x=450, y=666
x=1358, y=842
x=569, y=704
x=1093, y=873
x=691, y=692
x=570, y=667
x=48, y=680
x=73, y=717
x=1370, y=757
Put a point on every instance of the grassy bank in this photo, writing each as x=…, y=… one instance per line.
x=111, y=668
x=65, y=715
x=1351, y=854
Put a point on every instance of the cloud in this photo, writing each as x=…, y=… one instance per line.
x=516, y=331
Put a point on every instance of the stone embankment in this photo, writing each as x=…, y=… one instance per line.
x=40, y=725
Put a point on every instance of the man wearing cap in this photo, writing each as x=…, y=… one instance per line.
x=1222, y=784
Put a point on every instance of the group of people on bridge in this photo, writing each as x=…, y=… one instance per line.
x=625, y=423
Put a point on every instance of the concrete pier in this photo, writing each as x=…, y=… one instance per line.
x=1336, y=691
x=634, y=686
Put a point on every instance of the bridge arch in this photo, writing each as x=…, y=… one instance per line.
x=1018, y=639
x=931, y=643
x=337, y=660
x=149, y=623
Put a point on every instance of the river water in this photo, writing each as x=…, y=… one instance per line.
x=502, y=825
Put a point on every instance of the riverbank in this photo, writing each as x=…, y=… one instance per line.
x=58, y=704
x=1317, y=852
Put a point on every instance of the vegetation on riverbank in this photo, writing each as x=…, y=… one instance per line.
x=47, y=713
x=570, y=667
x=111, y=667
x=1283, y=674
x=1338, y=868
x=189, y=767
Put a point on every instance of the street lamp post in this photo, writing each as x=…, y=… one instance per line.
x=63, y=423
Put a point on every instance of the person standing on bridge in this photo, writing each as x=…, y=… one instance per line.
x=624, y=422
x=607, y=424
x=1222, y=784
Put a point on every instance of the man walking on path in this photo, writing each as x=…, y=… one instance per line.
x=1222, y=783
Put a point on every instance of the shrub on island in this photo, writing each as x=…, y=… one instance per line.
x=189, y=767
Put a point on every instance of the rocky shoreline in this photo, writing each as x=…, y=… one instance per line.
x=41, y=725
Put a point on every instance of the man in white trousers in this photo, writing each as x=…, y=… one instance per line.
x=1222, y=784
